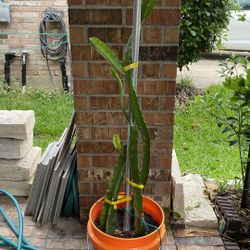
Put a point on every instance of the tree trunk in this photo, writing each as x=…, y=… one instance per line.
x=245, y=203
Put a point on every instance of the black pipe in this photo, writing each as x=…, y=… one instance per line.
x=9, y=56
x=24, y=57
x=64, y=74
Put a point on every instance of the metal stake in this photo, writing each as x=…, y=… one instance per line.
x=135, y=57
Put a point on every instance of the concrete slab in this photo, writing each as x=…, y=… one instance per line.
x=21, y=169
x=17, y=188
x=16, y=124
x=198, y=210
x=15, y=149
x=205, y=72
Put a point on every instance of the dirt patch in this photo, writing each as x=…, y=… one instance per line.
x=185, y=94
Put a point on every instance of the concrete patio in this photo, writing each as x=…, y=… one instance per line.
x=69, y=233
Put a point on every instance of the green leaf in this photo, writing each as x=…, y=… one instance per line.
x=168, y=227
x=193, y=33
x=226, y=130
x=135, y=176
x=117, y=142
x=147, y=8
x=138, y=117
x=231, y=143
x=248, y=78
x=112, y=191
x=121, y=90
x=167, y=210
x=106, y=53
x=111, y=223
x=230, y=136
x=176, y=216
x=242, y=18
x=231, y=120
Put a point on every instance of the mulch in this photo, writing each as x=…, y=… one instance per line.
x=242, y=234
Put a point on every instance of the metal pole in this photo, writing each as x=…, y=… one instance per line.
x=135, y=57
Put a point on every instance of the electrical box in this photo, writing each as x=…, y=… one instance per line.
x=4, y=12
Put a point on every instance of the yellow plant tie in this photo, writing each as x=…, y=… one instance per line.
x=121, y=199
x=130, y=66
x=133, y=184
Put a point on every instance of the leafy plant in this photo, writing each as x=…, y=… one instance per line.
x=170, y=217
x=203, y=23
x=222, y=185
x=128, y=152
x=234, y=115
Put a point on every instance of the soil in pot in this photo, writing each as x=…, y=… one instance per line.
x=150, y=222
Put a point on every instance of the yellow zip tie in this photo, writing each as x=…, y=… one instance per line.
x=133, y=184
x=121, y=199
x=130, y=66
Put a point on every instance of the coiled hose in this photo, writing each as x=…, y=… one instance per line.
x=53, y=47
x=23, y=243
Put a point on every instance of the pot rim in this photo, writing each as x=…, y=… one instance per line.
x=128, y=239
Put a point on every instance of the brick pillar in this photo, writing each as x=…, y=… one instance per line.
x=96, y=98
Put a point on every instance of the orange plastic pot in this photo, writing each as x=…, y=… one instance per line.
x=103, y=241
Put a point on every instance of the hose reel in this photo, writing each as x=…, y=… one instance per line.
x=54, y=46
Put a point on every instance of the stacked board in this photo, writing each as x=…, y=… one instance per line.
x=53, y=172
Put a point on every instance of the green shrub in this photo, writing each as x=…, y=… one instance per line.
x=202, y=25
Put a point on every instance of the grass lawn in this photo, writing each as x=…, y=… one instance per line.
x=199, y=144
x=53, y=111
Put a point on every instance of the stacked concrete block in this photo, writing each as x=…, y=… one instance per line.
x=18, y=157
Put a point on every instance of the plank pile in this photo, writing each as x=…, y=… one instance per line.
x=52, y=176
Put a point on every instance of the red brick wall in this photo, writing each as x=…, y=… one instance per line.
x=97, y=107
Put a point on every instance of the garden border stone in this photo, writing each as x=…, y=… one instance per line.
x=16, y=124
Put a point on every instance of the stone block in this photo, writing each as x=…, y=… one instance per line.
x=16, y=124
x=17, y=188
x=14, y=148
x=21, y=169
x=178, y=193
x=198, y=210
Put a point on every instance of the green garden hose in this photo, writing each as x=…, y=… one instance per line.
x=23, y=243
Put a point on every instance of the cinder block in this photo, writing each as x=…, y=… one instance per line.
x=21, y=169
x=14, y=148
x=17, y=188
x=16, y=124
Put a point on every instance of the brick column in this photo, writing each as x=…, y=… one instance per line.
x=96, y=98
